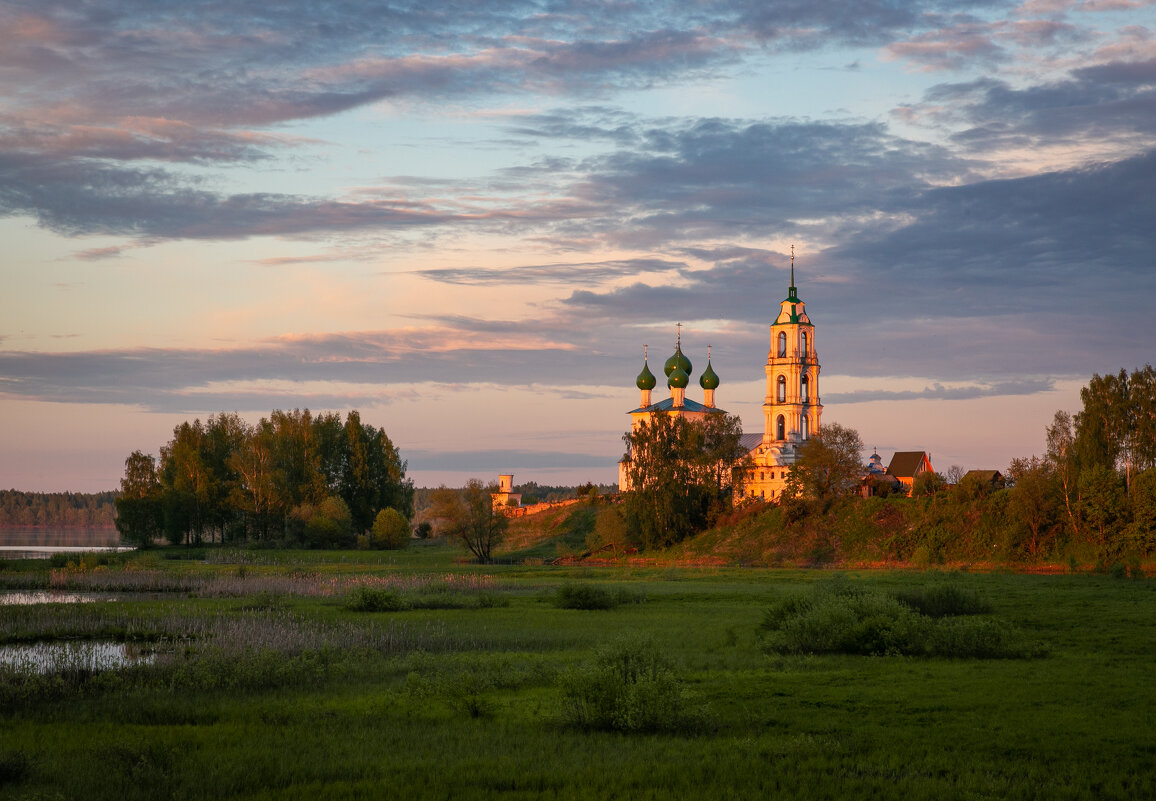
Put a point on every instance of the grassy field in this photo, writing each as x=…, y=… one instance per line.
x=270, y=681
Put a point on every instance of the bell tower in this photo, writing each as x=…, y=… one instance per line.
x=791, y=407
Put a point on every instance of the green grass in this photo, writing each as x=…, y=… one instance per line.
x=274, y=692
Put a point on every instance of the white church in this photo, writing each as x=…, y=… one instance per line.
x=791, y=408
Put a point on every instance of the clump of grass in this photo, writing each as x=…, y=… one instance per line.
x=456, y=600
x=466, y=683
x=14, y=766
x=592, y=596
x=375, y=599
x=944, y=600
x=629, y=687
x=841, y=618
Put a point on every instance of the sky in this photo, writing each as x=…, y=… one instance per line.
x=465, y=219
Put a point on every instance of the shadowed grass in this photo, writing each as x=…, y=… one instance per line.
x=292, y=695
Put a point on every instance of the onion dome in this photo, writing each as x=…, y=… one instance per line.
x=709, y=378
x=677, y=359
x=678, y=378
x=646, y=379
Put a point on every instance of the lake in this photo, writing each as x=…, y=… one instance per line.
x=38, y=543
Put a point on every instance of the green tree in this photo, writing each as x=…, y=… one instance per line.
x=1061, y=455
x=928, y=484
x=830, y=464
x=294, y=438
x=256, y=492
x=329, y=524
x=1103, y=501
x=390, y=530
x=682, y=474
x=469, y=517
x=1033, y=501
x=224, y=435
x=373, y=474
x=188, y=484
x=1142, y=532
x=1103, y=424
x=139, y=513
x=1142, y=405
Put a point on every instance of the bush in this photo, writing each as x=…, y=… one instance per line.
x=592, y=596
x=839, y=618
x=373, y=599
x=944, y=600
x=960, y=638
x=390, y=530
x=631, y=688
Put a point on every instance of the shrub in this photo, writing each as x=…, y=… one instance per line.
x=839, y=618
x=390, y=530
x=631, y=688
x=374, y=599
x=584, y=596
x=592, y=596
x=960, y=638
x=944, y=600
x=859, y=623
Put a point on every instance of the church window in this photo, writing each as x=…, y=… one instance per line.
x=782, y=343
x=803, y=389
x=760, y=476
x=781, y=428
x=803, y=341
x=781, y=395
x=806, y=428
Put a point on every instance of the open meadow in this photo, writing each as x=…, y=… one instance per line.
x=338, y=675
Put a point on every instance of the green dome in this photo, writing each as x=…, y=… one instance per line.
x=646, y=379
x=678, y=377
x=709, y=378
x=677, y=359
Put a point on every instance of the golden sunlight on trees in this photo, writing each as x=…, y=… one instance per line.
x=683, y=475
x=292, y=478
x=469, y=516
x=830, y=465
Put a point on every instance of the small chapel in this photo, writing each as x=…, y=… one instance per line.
x=791, y=407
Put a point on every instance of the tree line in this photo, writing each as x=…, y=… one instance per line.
x=294, y=478
x=57, y=509
x=1096, y=483
x=1092, y=496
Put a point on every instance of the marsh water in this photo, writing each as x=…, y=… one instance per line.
x=38, y=543
x=85, y=655
x=29, y=597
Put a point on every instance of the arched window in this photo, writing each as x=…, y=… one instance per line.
x=803, y=342
x=782, y=343
x=806, y=428
x=781, y=394
x=781, y=428
x=803, y=389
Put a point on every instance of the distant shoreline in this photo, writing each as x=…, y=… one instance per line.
x=56, y=527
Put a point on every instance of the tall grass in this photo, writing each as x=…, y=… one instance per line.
x=242, y=581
